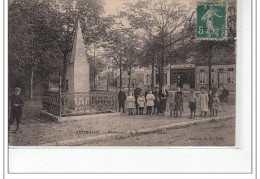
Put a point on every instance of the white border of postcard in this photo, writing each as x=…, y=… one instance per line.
x=236, y=159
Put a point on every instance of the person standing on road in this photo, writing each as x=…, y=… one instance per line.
x=137, y=92
x=141, y=103
x=121, y=100
x=216, y=104
x=204, y=99
x=146, y=93
x=171, y=104
x=163, y=95
x=193, y=104
x=224, y=95
x=130, y=103
x=156, y=102
x=210, y=101
x=16, y=103
x=178, y=102
x=150, y=101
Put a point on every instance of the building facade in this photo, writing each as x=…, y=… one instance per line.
x=185, y=76
x=221, y=74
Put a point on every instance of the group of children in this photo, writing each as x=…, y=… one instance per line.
x=142, y=101
x=205, y=102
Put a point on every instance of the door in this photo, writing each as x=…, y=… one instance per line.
x=192, y=79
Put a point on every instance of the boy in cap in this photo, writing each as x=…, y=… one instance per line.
x=16, y=103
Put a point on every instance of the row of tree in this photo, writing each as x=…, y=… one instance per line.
x=145, y=33
x=40, y=38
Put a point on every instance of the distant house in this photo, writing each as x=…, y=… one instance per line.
x=186, y=76
x=221, y=74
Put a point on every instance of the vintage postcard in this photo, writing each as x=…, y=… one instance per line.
x=122, y=73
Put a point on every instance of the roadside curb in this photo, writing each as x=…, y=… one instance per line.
x=81, y=141
x=75, y=118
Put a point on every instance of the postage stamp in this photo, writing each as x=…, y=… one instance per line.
x=211, y=21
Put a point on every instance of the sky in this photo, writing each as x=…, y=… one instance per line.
x=112, y=6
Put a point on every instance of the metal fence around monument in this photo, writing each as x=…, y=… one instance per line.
x=80, y=103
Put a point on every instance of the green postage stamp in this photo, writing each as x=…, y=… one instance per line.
x=211, y=21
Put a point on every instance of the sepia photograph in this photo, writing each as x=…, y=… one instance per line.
x=138, y=73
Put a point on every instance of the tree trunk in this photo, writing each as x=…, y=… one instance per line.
x=161, y=84
x=31, y=86
x=129, y=81
x=120, y=74
x=94, y=79
x=108, y=75
x=210, y=65
x=152, y=83
x=49, y=82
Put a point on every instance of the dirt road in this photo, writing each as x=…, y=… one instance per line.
x=207, y=134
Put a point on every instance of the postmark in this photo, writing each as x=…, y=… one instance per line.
x=211, y=21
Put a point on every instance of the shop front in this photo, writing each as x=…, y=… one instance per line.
x=182, y=76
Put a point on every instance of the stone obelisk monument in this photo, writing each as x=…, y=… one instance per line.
x=78, y=69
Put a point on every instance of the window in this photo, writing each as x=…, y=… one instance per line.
x=220, y=70
x=165, y=78
x=221, y=76
x=231, y=75
x=202, y=76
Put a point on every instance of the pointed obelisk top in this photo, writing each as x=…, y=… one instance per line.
x=78, y=54
x=78, y=68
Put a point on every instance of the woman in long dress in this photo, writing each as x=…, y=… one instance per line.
x=204, y=99
x=163, y=95
x=130, y=103
x=178, y=100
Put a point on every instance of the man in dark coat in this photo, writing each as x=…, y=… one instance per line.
x=121, y=100
x=163, y=95
x=16, y=104
x=178, y=101
x=224, y=95
x=156, y=101
x=137, y=92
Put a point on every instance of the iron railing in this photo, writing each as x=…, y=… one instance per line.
x=80, y=103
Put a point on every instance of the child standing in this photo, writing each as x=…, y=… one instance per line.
x=141, y=103
x=204, y=99
x=210, y=101
x=130, y=103
x=192, y=104
x=171, y=104
x=16, y=103
x=216, y=104
x=178, y=100
x=150, y=102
